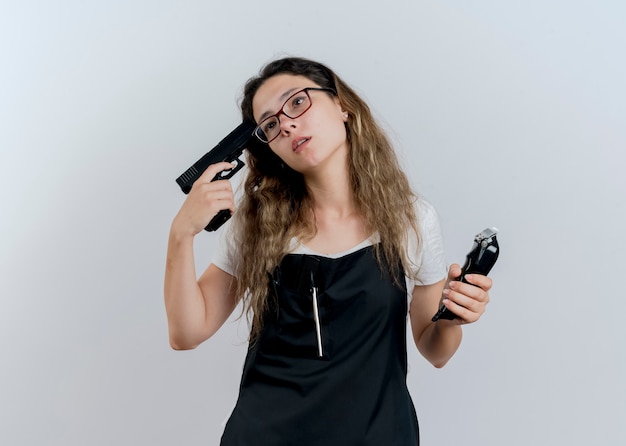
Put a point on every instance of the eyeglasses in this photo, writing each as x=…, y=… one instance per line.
x=297, y=105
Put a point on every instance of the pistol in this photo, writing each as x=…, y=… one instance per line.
x=229, y=150
x=480, y=260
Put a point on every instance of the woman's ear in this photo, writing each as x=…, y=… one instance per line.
x=344, y=114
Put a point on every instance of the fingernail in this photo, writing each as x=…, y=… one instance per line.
x=446, y=291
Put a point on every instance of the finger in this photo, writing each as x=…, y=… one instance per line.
x=454, y=271
x=208, y=175
x=469, y=290
x=479, y=280
x=463, y=313
x=475, y=301
x=213, y=186
x=207, y=199
x=217, y=197
x=471, y=303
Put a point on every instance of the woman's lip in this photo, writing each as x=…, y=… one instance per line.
x=298, y=144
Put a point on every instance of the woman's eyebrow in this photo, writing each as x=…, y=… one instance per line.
x=283, y=97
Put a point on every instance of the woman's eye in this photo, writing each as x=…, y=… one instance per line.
x=298, y=101
x=269, y=126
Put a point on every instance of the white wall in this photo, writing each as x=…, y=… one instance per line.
x=505, y=113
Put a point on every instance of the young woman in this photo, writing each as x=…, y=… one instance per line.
x=330, y=251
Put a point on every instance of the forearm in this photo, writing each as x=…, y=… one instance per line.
x=439, y=341
x=184, y=303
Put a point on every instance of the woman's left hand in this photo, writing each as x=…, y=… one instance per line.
x=467, y=300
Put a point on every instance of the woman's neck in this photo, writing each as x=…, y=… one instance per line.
x=331, y=191
x=339, y=224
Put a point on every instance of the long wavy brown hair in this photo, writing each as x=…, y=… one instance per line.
x=276, y=205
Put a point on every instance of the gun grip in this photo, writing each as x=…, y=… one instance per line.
x=223, y=215
x=217, y=221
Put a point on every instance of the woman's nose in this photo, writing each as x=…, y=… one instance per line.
x=287, y=124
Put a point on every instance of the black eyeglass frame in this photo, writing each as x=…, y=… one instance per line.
x=257, y=130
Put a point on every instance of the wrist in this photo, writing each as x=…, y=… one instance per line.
x=444, y=326
x=180, y=234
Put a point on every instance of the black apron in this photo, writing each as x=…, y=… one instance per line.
x=329, y=366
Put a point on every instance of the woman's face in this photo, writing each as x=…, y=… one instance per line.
x=312, y=140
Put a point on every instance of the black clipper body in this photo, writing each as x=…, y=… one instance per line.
x=229, y=150
x=479, y=260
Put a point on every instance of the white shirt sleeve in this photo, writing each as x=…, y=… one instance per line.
x=428, y=261
x=226, y=251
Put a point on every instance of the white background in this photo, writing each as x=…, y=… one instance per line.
x=504, y=113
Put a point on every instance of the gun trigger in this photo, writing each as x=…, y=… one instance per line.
x=226, y=174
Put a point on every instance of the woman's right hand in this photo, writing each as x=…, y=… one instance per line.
x=204, y=201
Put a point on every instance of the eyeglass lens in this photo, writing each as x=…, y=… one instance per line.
x=293, y=108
